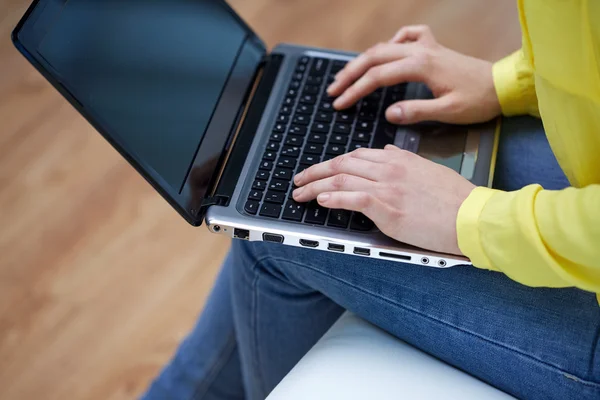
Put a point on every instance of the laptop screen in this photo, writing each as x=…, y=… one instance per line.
x=151, y=71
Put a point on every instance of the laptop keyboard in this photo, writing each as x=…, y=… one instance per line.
x=308, y=131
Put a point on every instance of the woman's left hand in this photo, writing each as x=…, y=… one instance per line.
x=409, y=198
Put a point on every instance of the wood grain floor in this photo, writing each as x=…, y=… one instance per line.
x=99, y=278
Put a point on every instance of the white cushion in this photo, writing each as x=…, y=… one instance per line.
x=356, y=360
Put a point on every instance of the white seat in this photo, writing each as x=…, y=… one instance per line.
x=356, y=360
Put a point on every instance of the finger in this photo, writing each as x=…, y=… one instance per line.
x=413, y=33
x=344, y=164
x=405, y=70
x=373, y=155
x=341, y=182
x=380, y=54
x=363, y=202
x=413, y=111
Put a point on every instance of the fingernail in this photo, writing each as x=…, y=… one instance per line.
x=397, y=112
x=323, y=197
x=298, y=177
x=297, y=192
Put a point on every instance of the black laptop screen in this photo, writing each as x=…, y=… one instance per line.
x=150, y=71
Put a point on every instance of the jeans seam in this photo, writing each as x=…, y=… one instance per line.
x=254, y=313
x=552, y=367
x=216, y=367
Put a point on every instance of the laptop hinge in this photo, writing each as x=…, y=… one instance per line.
x=214, y=201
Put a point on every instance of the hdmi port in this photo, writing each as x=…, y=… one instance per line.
x=309, y=243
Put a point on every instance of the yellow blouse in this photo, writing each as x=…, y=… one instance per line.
x=541, y=237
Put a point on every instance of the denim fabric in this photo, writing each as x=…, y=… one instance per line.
x=271, y=303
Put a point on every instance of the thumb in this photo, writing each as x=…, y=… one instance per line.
x=413, y=111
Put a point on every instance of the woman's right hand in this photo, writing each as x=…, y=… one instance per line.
x=463, y=86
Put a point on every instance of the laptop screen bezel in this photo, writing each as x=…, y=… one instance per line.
x=188, y=198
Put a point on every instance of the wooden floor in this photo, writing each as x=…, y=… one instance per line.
x=99, y=278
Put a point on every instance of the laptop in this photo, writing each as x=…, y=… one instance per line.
x=190, y=96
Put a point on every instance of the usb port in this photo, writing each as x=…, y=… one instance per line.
x=309, y=243
x=362, y=251
x=335, y=247
x=272, y=237
x=241, y=233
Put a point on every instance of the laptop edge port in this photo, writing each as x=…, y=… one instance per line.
x=241, y=233
x=362, y=251
x=272, y=237
x=335, y=247
x=309, y=243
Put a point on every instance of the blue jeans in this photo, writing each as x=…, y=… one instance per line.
x=271, y=303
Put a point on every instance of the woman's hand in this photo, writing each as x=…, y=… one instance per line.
x=463, y=85
x=409, y=198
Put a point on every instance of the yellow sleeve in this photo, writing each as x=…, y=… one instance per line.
x=536, y=237
x=515, y=85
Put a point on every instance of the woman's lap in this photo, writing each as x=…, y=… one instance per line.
x=533, y=343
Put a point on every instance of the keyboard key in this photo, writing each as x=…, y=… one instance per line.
x=328, y=157
x=266, y=165
x=314, y=80
x=273, y=146
x=269, y=155
x=279, y=128
x=295, y=84
x=357, y=145
x=361, y=223
x=251, y=207
x=364, y=126
x=391, y=98
x=320, y=127
x=312, y=148
x=338, y=218
x=297, y=130
x=291, y=151
x=315, y=214
x=335, y=149
x=308, y=99
x=292, y=92
x=294, y=141
x=337, y=65
x=367, y=115
x=255, y=195
x=279, y=185
x=293, y=211
x=283, y=173
x=340, y=127
x=339, y=139
x=319, y=67
x=305, y=109
x=301, y=119
x=301, y=68
x=259, y=185
x=303, y=60
x=286, y=162
x=375, y=96
x=297, y=76
x=301, y=168
x=289, y=101
x=286, y=110
x=282, y=118
x=361, y=137
x=276, y=137
x=323, y=116
x=275, y=197
x=326, y=106
x=317, y=138
x=270, y=210
x=263, y=175
x=370, y=105
x=310, y=89
x=310, y=159
x=344, y=117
